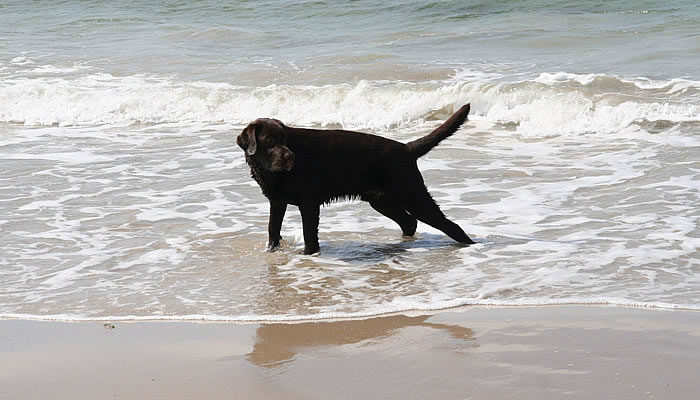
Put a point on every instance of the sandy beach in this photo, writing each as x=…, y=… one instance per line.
x=469, y=353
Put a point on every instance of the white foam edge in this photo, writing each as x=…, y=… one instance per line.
x=402, y=308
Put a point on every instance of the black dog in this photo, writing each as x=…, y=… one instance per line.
x=310, y=167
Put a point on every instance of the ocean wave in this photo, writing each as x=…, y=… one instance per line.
x=551, y=104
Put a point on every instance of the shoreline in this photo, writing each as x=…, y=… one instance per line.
x=470, y=352
x=334, y=317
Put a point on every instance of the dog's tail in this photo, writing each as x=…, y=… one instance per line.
x=420, y=147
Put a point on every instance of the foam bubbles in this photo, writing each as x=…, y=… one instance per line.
x=563, y=77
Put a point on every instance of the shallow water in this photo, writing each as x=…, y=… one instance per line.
x=123, y=194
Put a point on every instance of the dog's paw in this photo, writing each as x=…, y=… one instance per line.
x=309, y=250
x=271, y=248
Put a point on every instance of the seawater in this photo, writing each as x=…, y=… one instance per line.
x=124, y=196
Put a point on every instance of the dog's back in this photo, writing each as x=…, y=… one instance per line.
x=336, y=164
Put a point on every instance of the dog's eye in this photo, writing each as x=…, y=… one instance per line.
x=268, y=141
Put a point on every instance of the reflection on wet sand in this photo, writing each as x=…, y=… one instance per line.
x=277, y=344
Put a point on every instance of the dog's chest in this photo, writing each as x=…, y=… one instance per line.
x=272, y=184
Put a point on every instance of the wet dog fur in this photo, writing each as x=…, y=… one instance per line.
x=311, y=167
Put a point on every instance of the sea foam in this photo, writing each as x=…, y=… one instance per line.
x=551, y=104
x=141, y=201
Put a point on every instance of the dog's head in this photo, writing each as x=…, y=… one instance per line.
x=265, y=141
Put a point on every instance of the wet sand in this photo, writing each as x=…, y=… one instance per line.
x=469, y=353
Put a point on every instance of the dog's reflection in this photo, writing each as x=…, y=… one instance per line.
x=277, y=344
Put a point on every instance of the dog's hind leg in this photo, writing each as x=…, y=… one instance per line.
x=422, y=206
x=397, y=214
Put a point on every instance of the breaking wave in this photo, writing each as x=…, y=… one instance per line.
x=550, y=104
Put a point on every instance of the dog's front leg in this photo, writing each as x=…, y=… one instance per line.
x=277, y=210
x=309, y=219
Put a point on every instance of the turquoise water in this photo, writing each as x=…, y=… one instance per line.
x=296, y=42
x=123, y=194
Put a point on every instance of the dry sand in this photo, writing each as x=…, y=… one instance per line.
x=563, y=352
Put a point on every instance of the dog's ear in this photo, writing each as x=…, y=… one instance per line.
x=247, y=140
x=252, y=140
